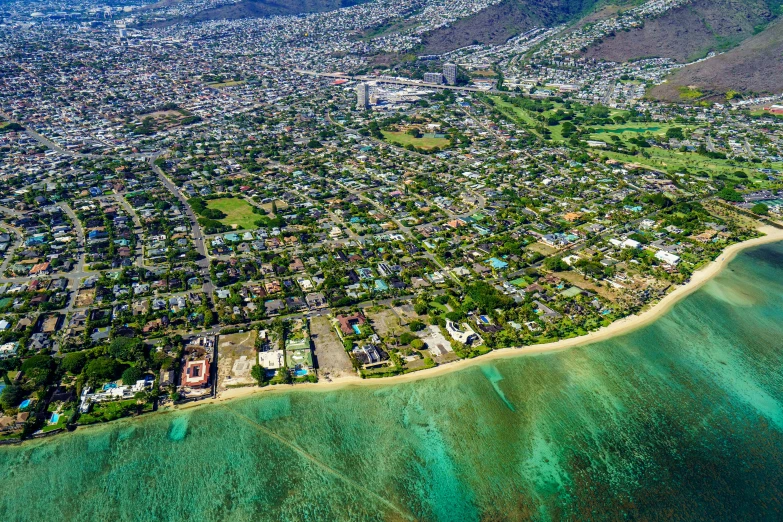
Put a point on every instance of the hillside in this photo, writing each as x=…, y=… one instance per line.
x=689, y=32
x=499, y=22
x=755, y=66
x=264, y=8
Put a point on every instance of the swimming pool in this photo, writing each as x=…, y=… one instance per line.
x=25, y=403
x=356, y=329
x=55, y=418
x=300, y=373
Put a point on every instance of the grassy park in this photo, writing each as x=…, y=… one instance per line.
x=239, y=213
x=403, y=139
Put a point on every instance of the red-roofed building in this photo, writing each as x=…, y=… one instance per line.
x=195, y=374
x=40, y=268
x=347, y=322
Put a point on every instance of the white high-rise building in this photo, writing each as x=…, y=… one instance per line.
x=363, y=96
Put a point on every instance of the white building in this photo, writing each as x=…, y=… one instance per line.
x=667, y=257
x=8, y=350
x=271, y=360
x=463, y=333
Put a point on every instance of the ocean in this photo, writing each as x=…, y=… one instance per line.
x=680, y=420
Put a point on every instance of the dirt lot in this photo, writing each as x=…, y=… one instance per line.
x=407, y=314
x=329, y=354
x=236, y=357
x=543, y=249
x=577, y=280
x=439, y=347
x=280, y=204
x=85, y=297
x=385, y=322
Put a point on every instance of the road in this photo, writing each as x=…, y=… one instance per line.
x=196, y=234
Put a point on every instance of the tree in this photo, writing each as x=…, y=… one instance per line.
x=416, y=326
x=73, y=362
x=126, y=348
x=258, y=373
x=407, y=338
x=102, y=369
x=556, y=264
x=11, y=397
x=760, y=209
x=729, y=194
x=420, y=308
x=131, y=375
x=417, y=344
x=675, y=132
x=39, y=369
x=285, y=375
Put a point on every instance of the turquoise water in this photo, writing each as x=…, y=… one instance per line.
x=356, y=329
x=682, y=420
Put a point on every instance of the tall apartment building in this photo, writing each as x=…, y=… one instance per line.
x=450, y=72
x=363, y=96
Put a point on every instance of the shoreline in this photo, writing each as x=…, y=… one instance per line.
x=619, y=327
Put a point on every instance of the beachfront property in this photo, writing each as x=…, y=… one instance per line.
x=195, y=374
x=298, y=351
x=271, y=359
x=462, y=333
x=351, y=324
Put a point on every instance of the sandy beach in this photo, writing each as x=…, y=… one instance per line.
x=619, y=327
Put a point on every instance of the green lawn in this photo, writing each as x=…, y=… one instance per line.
x=660, y=159
x=514, y=111
x=664, y=160
x=403, y=139
x=438, y=306
x=239, y=213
